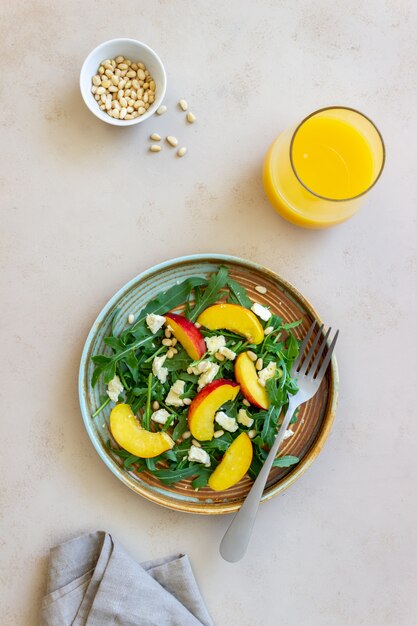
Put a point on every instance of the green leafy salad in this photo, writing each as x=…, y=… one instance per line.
x=198, y=394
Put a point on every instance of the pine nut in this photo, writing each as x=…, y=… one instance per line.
x=173, y=141
x=122, y=66
x=259, y=364
x=155, y=148
x=252, y=434
x=134, y=67
x=145, y=86
x=174, y=350
x=186, y=434
x=141, y=111
x=116, y=114
x=261, y=289
x=109, y=73
x=182, y=151
x=129, y=116
x=167, y=332
x=183, y=104
x=119, y=59
x=123, y=113
x=218, y=434
x=100, y=90
x=93, y=89
x=96, y=80
x=97, y=97
x=113, y=89
x=130, y=110
x=141, y=66
x=245, y=402
x=196, y=443
x=123, y=102
x=155, y=405
x=145, y=97
x=189, y=370
x=166, y=342
x=191, y=118
x=187, y=401
x=251, y=355
x=162, y=109
x=131, y=74
x=174, y=341
x=156, y=137
x=101, y=70
x=219, y=356
x=152, y=85
x=197, y=325
x=170, y=353
x=268, y=330
x=140, y=74
x=102, y=107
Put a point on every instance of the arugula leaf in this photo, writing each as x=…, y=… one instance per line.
x=285, y=461
x=173, y=297
x=291, y=325
x=169, y=476
x=238, y=294
x=211, y=293
x=147, y=414
x=178, y=362
x=108, y=368
x=202, y=478
x=180, y=428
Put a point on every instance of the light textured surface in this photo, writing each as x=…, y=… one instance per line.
x=85, y=207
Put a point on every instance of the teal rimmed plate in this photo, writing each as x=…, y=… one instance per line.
x=315, y=418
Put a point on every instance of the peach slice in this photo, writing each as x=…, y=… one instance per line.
x=235, y=318
x=130, y=435
x=247, y=377
x=187, y=334
x=234, y=464
x=205, y=404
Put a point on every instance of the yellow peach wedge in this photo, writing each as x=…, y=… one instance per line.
x=130, y=435
x=234, y=464
x=235, y=318
x=247, y=377
x=187, y=334
x=205, y=404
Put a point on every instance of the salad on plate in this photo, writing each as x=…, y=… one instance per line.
x=198, y=381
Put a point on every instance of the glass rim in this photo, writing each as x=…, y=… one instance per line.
x=330, y=108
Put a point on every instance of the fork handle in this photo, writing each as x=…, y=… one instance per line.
x=236, y=539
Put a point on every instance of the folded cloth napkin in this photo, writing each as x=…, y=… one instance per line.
x=93, y=582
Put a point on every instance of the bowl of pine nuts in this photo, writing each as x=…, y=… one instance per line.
x=123, y=82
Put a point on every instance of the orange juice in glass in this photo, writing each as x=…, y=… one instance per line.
x=316, y=175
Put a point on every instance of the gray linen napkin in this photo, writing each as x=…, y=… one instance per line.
x=92, y=581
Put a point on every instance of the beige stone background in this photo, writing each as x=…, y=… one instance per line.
x=85, y=207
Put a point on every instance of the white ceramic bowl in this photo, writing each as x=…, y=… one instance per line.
x=131, y=49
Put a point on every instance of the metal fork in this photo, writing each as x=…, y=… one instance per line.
x=309, y=373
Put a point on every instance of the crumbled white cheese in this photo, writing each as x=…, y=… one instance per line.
x=261, y=311
x=155, y=322
x=208, y=375
x=215, y=343
x=267, y=373
x=226, y=422
x=157, y=370
x=288, y=433
x=200, y=367
x=160, y=416
x=114, y=388
x=244, y=419
x=199, y=456
x=173, y=397
x=227, y=353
